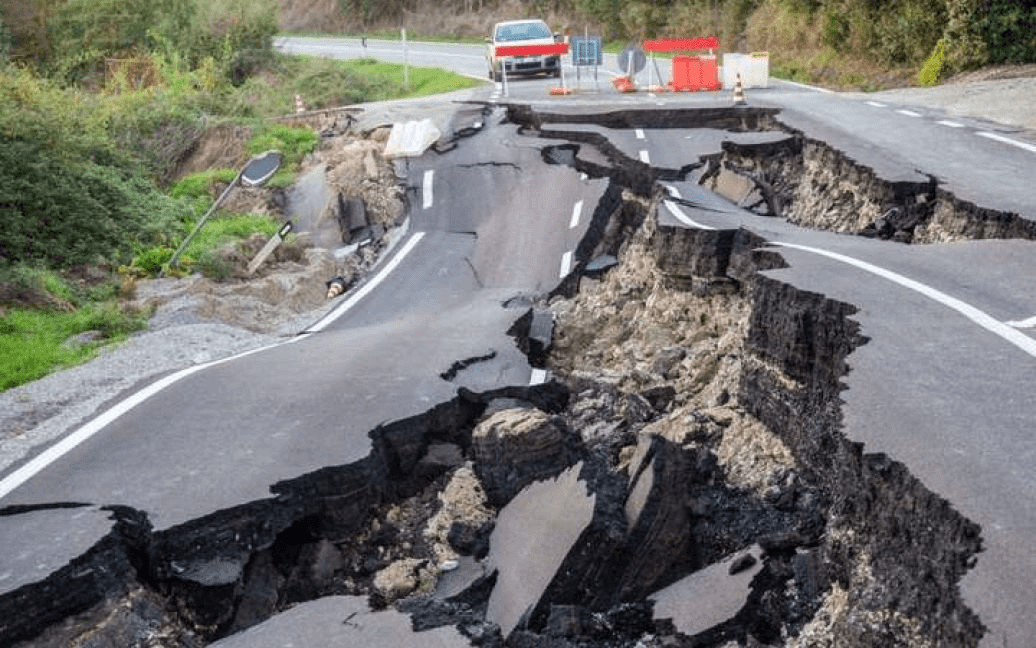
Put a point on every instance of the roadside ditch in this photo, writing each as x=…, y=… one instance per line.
x=688, y=448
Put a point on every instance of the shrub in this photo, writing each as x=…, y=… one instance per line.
x=1009, y=31
x=62, y=214
x=931, y=71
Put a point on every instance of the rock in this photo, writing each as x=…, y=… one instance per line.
x=514, y=448
x=398, y=579
x=462, y=519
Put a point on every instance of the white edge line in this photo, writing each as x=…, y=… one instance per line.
x=539, y=376
x=566, y=264
x=65, y=445
x=1017, y=338
x=366, y=288
x=876, y=104
x=673, y=191
x=576, y=212
x=1029, y=323
x=1007, y=140
x=426, y=190
x=806, y=86
x=908, y=113
x=684, y=218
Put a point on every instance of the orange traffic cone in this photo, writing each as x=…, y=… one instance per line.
x=739, y=92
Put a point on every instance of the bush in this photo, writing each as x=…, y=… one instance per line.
x=931, y=71
x=1009, y=31
x=61, y=214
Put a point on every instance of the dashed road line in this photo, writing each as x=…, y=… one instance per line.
x=645, y=157
x=983, y=319
x=1028, y=323
x=684, y=218
x=566, y=264
x=639, y=133
x=426, y=190
x=538, y=377
x=951, y=124
x=876, y=104
x=908, y=113
x=1007, y=140
x=576, y=212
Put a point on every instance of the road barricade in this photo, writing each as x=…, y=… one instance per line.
x=689, y=73
x=554, y=49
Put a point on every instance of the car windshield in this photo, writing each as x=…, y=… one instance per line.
x=523, y=31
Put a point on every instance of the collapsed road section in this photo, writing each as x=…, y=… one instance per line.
x=683, y=480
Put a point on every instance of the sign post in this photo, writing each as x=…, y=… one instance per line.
x=268, y=249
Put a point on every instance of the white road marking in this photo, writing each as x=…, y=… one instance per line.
x=806, y=86
x=908, y=113
x=539, y=376
x=1008, y=140
x=640, y=133
x=645, y=158
x=673, y=191
x=876, y=104
x=1029, y=323
x=584, y=177
x=367, y=287
x=576, y=212
x=566, y=264
x=684, y=218
x=1017, y=338
x=426, y=191
x=951, y=124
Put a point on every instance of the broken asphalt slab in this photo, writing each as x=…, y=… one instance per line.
x=342, y=621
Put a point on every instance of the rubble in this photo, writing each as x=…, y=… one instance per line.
x=682, y=481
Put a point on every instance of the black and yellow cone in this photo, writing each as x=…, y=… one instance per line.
x=739, y=92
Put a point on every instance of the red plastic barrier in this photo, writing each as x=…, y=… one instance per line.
x=680, y=44
x=553, y=49
x=694, y=73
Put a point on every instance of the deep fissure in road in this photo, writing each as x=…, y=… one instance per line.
x=688, y=449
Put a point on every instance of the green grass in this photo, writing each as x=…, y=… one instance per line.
x=32, y=341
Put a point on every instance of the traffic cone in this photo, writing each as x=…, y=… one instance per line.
x=739, y=92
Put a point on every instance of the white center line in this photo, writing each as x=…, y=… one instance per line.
x=640, y=133
x=566, y=264
x=576, y=212
x=1029, y=323
x=1017, y=338
x=951, y=124
x=876, y=104
x=1007, y=140
x=645, y=158
x=426, y=191
x=908, y=113
x=684, y=218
